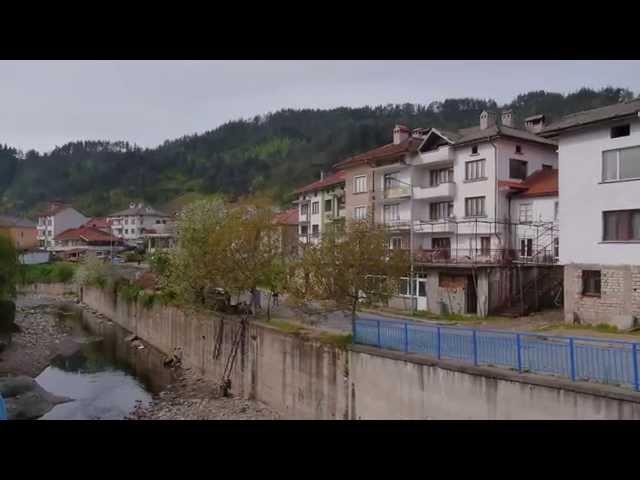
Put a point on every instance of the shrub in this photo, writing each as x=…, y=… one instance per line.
x=59, y=272
x=95, y=272
x=133, y=257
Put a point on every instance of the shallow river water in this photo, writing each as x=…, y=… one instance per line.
x=105, y=375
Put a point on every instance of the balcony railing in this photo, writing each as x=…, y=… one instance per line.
x=440, y=156
x=480, y=256
x=397, y=192
x=442, y=191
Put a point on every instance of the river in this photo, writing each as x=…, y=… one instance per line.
x=105, y=374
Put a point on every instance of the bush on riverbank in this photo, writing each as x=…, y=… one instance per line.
x=59, y=272
x=96, y=273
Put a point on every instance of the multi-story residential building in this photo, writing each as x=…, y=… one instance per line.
x=600, y=213
x=75, y=243
x=55, y=219
x=449, y=192
x=130, y=224
x=321, y=204
x=20, y=231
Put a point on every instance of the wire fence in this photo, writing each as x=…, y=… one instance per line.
x=611, y=362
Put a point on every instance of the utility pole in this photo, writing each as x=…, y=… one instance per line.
x=413, y=288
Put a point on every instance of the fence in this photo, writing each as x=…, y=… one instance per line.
x=603, y=361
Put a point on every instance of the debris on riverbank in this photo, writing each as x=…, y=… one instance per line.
x=38, y=339
x=192, y=397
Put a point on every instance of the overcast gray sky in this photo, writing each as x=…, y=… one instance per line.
x=48, y=103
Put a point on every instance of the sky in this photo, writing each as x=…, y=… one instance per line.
x=44, y=104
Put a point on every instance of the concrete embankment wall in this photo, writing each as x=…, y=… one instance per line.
x=309, y=380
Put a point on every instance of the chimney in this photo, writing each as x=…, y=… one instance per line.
x=507, y=118
x=400, y=134
x=535, y=123
x=322, y=175
x=487, y=119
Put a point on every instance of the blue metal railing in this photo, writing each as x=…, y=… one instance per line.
x=607, y=361
x=3, y=409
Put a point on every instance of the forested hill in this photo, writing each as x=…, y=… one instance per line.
x=275, y=152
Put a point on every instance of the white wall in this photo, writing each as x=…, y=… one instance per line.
x=583, y=197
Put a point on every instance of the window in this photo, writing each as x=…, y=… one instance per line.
x=517, y=168
x=390, y=181
x=556, y=209
x=126, y=221
x=474, y=150
x=327, y=205
x=474, y=207
x=485, y=246
x=440, y=210
x=519, y=149
x=304, y=229
x=126, y=230
x=526, y=247
x=315, y=208
x=442, y=175
x=315, y=230
x=360, y=213
x=526, y=213
x=556, y=247
x=475, y=170
x=620, y=131
x=404, y=287
x=621, y=225
x=547, y=167
x=396, y=243
x=391, y=213
x=621, y=164
x=360, y=184
x=304, y=209
x=591, y=284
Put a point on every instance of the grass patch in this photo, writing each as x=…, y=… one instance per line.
x=450, y=317
x=601, y=327
x=287, y=327
x=336, y=339
x=59, y=272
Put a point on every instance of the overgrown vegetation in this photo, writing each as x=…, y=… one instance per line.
x=58, y=272
x=600, y=327
x=95, y=272
x=9, y=268
x=269, y=153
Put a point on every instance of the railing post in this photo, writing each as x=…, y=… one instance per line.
x=475, y=349
x=379, y=344
x=636, y=375
x=519, y=352
x=572, y=360
x=439, y=337
x=406, y=337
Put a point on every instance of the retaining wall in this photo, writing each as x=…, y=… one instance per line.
x=305, y=379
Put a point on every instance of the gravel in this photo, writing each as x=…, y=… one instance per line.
x=192, y=397
x=40, y=335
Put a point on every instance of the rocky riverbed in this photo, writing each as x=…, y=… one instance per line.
x=191, y=397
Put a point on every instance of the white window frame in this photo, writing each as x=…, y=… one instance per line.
x=475, y=202
x=362, y=208
x=617, y=177
x=527, y=210
x=388, y=212
x=556, y=209
x=393, y=240
x=478, y=167
x=363, y=184
x=315, y=208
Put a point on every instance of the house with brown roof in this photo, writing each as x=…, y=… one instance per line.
x=439, y=193
x=20, y=231
x=321, y=205
x=55, y=219
x=599, y=214
x=75, y=243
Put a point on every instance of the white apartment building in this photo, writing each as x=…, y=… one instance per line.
x=320, y=205
x=461, y=183
x=599, y=182
x=55, y=219
x=132, y=224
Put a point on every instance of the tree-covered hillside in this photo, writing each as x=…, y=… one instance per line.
x=275, y=152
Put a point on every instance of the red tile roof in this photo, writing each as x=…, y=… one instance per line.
x=288, y=217
x=334, y=179
x=98, y=222
x=87, y=234
x=390, y=150
x=541, y=183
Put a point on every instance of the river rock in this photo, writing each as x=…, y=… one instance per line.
x=25, y=399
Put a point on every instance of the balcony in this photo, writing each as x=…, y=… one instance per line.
x=397, y=224
x=443, y=191
x=400, y=191
x=465, y=256
x=435, y=226
x=303, y=218
x=441, y=156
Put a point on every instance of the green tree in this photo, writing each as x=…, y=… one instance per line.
x=350, y=267
x=9, y=268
